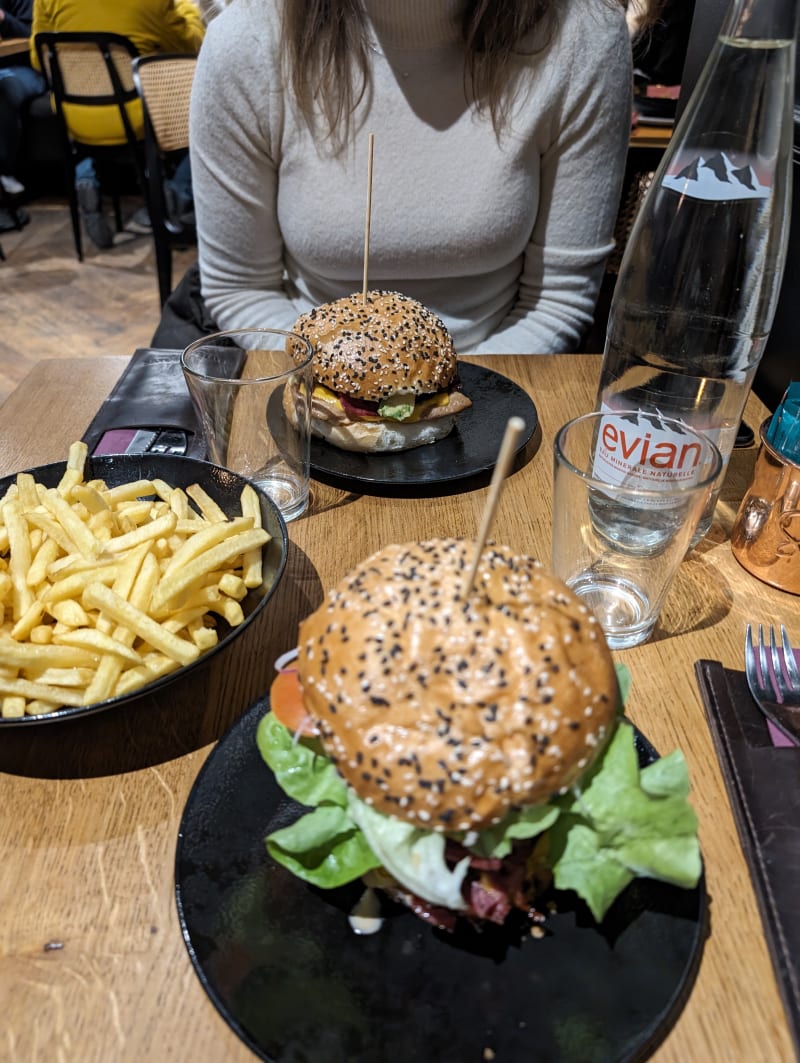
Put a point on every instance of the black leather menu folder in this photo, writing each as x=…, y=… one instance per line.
x=763, y=783
x=152, y=395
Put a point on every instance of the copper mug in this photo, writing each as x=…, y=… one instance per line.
x=766, y=533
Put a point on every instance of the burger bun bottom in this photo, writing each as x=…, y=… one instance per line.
x=377, y=437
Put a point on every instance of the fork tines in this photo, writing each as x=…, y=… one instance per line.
x=784, y=674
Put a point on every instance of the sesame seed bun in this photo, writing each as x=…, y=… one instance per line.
x=443, y=712
x=385, y=345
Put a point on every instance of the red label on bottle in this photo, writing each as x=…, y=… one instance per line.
x=637, y=449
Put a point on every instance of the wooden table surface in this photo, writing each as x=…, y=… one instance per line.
x=93, y=965
x=13, y=46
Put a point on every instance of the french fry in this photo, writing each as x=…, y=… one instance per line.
x=26, y=491
x=69, y=613
x=53, y=530
x=55, y=696
x=127, y=492
x=73, y=526
x=25, y=655
x=65, y=677
x=203, y=540
x=44, y=557
x=77, y=455
x=73, y=586
x=156, y=666
x=179, y=503
x=19, y=545
x=230, y=609
x=12, y=707
x=28, y=621
x=98, y=596
x=179, y=581
x=233, y=586
x=204, y=637
x=251, y=566
x=97, y=642
x=38, y=708
x=207, y=506
x=91, y=498
x=142, y=534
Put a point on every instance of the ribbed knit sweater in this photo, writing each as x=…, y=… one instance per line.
x=504, y=236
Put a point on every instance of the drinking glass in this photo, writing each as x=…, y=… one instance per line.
x=620, y=530
x=253, y=401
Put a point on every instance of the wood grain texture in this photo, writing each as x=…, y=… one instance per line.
x=92, y=808
x=53, y=306
x=13, y=46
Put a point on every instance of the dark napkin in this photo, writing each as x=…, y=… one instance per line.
x=151, y=393
x=763, y=783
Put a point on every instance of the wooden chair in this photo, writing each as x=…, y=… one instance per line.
x=164, y=83
x=92, y=70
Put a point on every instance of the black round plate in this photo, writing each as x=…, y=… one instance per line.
x=469, y=450
x=225, y=487
x=280, y=962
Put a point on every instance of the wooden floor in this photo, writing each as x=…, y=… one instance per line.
x=53, y=306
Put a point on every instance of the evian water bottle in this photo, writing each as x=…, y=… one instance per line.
x=701, y=273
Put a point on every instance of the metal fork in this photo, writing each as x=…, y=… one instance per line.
x=776, y=689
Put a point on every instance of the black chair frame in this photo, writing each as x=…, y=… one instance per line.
x=47, y=49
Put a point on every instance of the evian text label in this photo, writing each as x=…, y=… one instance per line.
x=639, y=449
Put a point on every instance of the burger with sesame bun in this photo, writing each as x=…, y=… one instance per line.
x=467, y=749
x=385, y=373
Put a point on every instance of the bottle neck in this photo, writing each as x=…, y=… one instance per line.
x=763, y=20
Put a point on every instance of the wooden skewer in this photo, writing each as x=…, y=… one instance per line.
x=370, y=148
x=514, y=429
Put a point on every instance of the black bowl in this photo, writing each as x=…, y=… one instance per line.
x=225, y=488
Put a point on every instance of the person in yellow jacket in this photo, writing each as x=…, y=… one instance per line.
x=152, y=26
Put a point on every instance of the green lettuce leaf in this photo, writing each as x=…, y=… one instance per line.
x=301, y=768
x=324, y=847
x=624, y=823
x=527, y=822
x=415, y=857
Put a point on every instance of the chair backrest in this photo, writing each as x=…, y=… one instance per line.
x=164, y=83
x=90, y=70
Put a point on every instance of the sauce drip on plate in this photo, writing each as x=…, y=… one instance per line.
x=365, y=918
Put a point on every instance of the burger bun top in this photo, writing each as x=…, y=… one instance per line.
x=446, y=711
x=374, y=347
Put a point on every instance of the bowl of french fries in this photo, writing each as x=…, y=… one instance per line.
x=120, y=573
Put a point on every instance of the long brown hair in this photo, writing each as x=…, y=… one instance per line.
x=328, y=52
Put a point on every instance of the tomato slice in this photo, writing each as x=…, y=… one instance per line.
x=286, y=701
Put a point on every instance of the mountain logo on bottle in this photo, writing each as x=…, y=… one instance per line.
x=715, y=177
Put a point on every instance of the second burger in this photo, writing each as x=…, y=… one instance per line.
x=385, y=373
